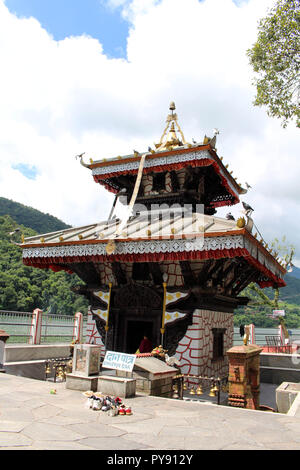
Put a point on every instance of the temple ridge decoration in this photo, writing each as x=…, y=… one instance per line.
x=166, y=268
x=171, y=141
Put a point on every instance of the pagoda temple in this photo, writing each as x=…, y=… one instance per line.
x=170, y=269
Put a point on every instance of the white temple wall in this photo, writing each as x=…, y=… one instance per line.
x=195, y=349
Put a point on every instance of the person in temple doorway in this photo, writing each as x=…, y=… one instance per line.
x=145, y=345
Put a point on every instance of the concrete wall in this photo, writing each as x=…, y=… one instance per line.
x=29, y=360
x=27, y=352
x=278, y=368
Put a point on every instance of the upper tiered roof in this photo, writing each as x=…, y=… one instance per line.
x=172, y=156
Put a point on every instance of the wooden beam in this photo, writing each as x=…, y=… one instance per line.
x=87, y=272
x=187, y=273
x=174, y=181
x=244, y=280
x=156, y=273
x=119, y=273
x=203, y=273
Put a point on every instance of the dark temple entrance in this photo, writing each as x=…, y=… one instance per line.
x=137, y=311
x=136, y=330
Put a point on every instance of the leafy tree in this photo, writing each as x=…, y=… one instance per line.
x=264, y=301
x=275, y=56
x=23, y=288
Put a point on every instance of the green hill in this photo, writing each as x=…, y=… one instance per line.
x=289, y=300
x=291, y=293
x=23, y=288
x=29, y=217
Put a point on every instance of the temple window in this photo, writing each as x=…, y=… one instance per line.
x=218, y=343
x=159, y=182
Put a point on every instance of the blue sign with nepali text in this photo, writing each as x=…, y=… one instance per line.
x=119, y=361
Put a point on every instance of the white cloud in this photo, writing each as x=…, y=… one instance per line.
x=61, y=98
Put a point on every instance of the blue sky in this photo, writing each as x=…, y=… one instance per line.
x=62, y=18
x=28, y=171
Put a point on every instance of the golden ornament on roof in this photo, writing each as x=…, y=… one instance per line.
x=170, y=140
x=110, y=247
x=241, y=222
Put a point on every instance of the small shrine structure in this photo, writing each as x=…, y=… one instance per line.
x=170, y=269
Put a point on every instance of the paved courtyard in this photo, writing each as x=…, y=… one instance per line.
x=32, y=418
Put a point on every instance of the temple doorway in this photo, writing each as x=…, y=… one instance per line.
x=136, y=330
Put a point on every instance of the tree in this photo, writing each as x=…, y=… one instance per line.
x=264, y=301
x=275, y=56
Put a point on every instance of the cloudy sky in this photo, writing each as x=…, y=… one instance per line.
x=97, y=76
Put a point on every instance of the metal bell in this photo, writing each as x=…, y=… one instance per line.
x=199, y=390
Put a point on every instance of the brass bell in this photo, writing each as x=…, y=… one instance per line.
x=175, y=392
x=213, y=391
x=192, y=391
x=185, y=386
x=199, y=390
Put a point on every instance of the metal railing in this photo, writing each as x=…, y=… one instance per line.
x=55, y=328
x=262, y=333
x=197, y=385
x=17, y=325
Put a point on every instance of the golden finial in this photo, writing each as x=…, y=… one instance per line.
x=170, y=141
x=42, y=239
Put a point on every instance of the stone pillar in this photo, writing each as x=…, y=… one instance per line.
x=85, y=368
x=3, y=338
x=244, y=376
x=36, y=327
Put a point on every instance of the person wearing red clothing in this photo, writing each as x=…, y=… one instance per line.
x=145, y=346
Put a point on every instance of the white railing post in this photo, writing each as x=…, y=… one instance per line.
x=78, y=327
x=252, y=333
x=36, y=327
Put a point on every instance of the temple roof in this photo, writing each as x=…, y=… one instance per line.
x=171, y=153
x=195, y=236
